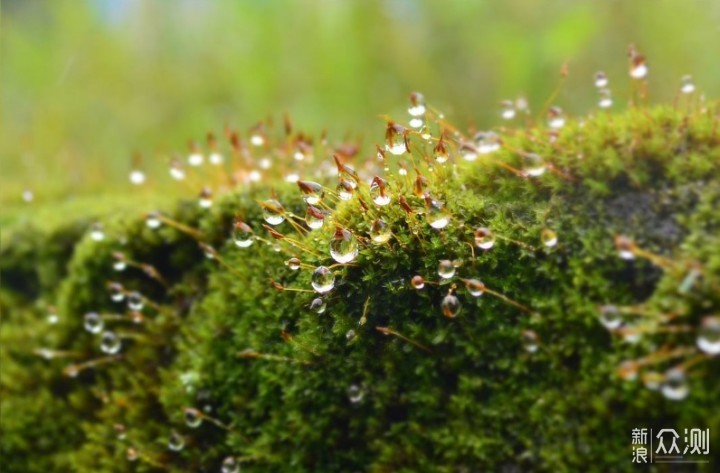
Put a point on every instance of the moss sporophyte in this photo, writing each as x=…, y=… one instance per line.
x=514, y=299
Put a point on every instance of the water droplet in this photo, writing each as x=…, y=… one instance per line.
x=120, y=431
x=652, y=380
x=323, y=280
x=446, y=269
x=312, y=192
x=176, y=442
x=120, y=262
x=450, y=306
x=507, y=109
x=380, y=231
x=345, y=189
x=611, y=317
x=242, y=234
x=556, y=118
x=417, y=282
x=256, y=139
x=548, y=237
x=468, y=152
x=230, y=465
x=343, y=246
x=531, y=341
x=93, y=322
x=137, y=177
x=350, y=335
x=96, y=232
x=293, y=263
x=132, y=454
x=396, y=147
x=605, y=100
x=417, y=105
x=52, y=316
x=486, y=142
x=484, y=238
x=195, y=159
x=355, y=394
x=475, y=287
x=110, y=343
x=28, y=196
x=205, y=198
x=533, y=165
x=117, y=291
x=378, y=191
x=441, y=152
x=71, y=371
x=318, y=305
x=425, y=133
x=273, y=212
x=638, y=66
x=436, y=215
x=601, y=80
x=135, y=301
x=687, y=86
x=417, y=122
x=675, y=386
x=625, y=247
x=152, y=220
x=631, y=334
x=708, y=338
x=193, y=417
x=314, y=217
x=628, y=370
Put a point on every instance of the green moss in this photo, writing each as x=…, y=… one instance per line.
x=438, y=394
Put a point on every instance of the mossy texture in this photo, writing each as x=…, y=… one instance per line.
x=429, y=393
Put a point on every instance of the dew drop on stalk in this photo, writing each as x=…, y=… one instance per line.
x=380, y=231
x=110, y=343
x=96, y=232
x=484, y=238
x=708, y=337
x=314, y=217
x=475, y=287
x=205, y=198
x=230, y=465
x=687, y=86
x=425, y=133
x=355, y=394
x=531, y=341
x=507, y=110
x=323, y=280
x=396, y=146
x=625, y=247
x=312, y=192
x=345, y=189
x=556, y=118
x=293, y=263
x=195, y=159
x=378, y=191
x=468, y=152
x=193, y=417
x=117, y=291
x=446, y=269
x=605, y=100
x=343, y=246
x=350, y=335
x=52, y=316
x=548, y=237
x=28, y=196
x=675, y=385
x=486, y=142
x=93, y=322
x=450, y=306
x=119, y=263
x=436, y=215
x=176, y=170
x=120, y=431
x=242, y=234
x=638, y=66
x=417, y=105
x=611, y=317
x=137, y=177
x=71, y=371
x=176, y=442
x=257, y=139
x=216, y=159
x=440, y=152
x=416, y=122
x=417, y=282
x=601, y=80
x=152, y=220
x=533, y=165
x=273, y=212
x=318, y=305
x=132, y=454
x=628, y=370
x=652, y=380
x=135, y=301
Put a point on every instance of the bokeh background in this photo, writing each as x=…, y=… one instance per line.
x=86, y=83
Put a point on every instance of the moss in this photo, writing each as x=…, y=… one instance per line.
x=437, y=394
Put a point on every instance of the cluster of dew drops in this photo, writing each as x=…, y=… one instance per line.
x=431, y=146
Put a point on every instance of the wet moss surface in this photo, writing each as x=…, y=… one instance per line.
x=522, y=378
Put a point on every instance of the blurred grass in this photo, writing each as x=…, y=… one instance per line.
x=85, y=83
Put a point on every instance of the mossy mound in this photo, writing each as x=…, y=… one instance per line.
x=523, y=378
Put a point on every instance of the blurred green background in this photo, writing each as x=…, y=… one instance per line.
x=85, y=83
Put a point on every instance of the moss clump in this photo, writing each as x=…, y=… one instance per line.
x=523, y=379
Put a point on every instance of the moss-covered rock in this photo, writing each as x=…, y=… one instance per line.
x=523, y=378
